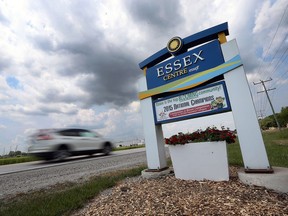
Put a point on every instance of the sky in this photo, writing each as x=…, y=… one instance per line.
x=75, y=63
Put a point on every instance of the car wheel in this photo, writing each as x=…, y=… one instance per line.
x=61, y=154
x=107, y=149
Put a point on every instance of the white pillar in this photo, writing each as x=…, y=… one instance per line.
x=154, y=140
x=245, y=118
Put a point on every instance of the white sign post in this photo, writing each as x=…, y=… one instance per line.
x=154, y=140
x=245, y=118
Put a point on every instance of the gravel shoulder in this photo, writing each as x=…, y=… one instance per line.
x=171, y=196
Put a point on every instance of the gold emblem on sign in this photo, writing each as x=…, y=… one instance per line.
x=174, y=45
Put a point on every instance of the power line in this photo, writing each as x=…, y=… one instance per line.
x=266, y=91
x=260, y=100
x=267, y=51
x=278, y=63
x=282, y=77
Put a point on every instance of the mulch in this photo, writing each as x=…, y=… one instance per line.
x=170, y=196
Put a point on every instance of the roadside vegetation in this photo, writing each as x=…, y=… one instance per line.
x=128, y=147
x=21, y=157
x=17, y=159
x=65, y=198
x=270, y=122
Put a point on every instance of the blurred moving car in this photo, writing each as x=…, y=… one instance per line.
x=58, y=144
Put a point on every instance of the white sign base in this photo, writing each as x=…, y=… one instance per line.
x=154, y=140
x=251, y=142
x=199, y=161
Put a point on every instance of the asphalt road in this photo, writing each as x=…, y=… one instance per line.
x=22, y=178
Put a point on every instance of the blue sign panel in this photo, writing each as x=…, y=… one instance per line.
x=207, y=100
x=194, y=61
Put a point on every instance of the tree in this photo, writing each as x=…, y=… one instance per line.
x=11, y=154
x=269, y=121
x=283, y=117
x=18, y=153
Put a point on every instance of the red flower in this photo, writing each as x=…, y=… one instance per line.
x=210, y=134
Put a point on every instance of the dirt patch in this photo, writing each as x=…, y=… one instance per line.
x=281, y=142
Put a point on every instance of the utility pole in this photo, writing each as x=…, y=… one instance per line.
x=266, y=91
x=261, y=115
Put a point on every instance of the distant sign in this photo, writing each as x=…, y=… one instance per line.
x=207, y=100
x=194, y=61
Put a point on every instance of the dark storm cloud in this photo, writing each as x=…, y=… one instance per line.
x=114, y=80
x=161, y=14
x=113, y=73
x=113, y=70
x=43, y=43
x=55, y=96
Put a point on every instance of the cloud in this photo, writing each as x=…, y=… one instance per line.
x=3, y=19
x=43, y=43
x=156, y=15
x=111, y=69
x=270, y=19
x=112, y=122
x=77, y=62
x=4, y=63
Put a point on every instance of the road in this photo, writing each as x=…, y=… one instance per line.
x=26, y=177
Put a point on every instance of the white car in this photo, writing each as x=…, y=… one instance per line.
x=59, y=144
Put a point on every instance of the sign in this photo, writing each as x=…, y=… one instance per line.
x=194, y=61
x=178, y=70
x=193, y=80
x=207, y=100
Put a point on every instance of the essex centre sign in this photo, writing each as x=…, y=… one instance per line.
x=199, y=75
x=186, y=64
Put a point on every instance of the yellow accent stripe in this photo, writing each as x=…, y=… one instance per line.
x=145, y=71
x=206, y=72
x=222, y=38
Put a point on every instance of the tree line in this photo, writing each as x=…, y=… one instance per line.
x=269, y=121
x=15, y=154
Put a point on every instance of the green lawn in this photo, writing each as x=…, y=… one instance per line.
x=276, y=143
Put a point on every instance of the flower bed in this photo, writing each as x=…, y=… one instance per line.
x=210, y=134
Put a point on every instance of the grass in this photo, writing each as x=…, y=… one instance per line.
x=64, y=199
x=128, y=147
x=234, y=158
x=13, y=160
x=276, y=143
